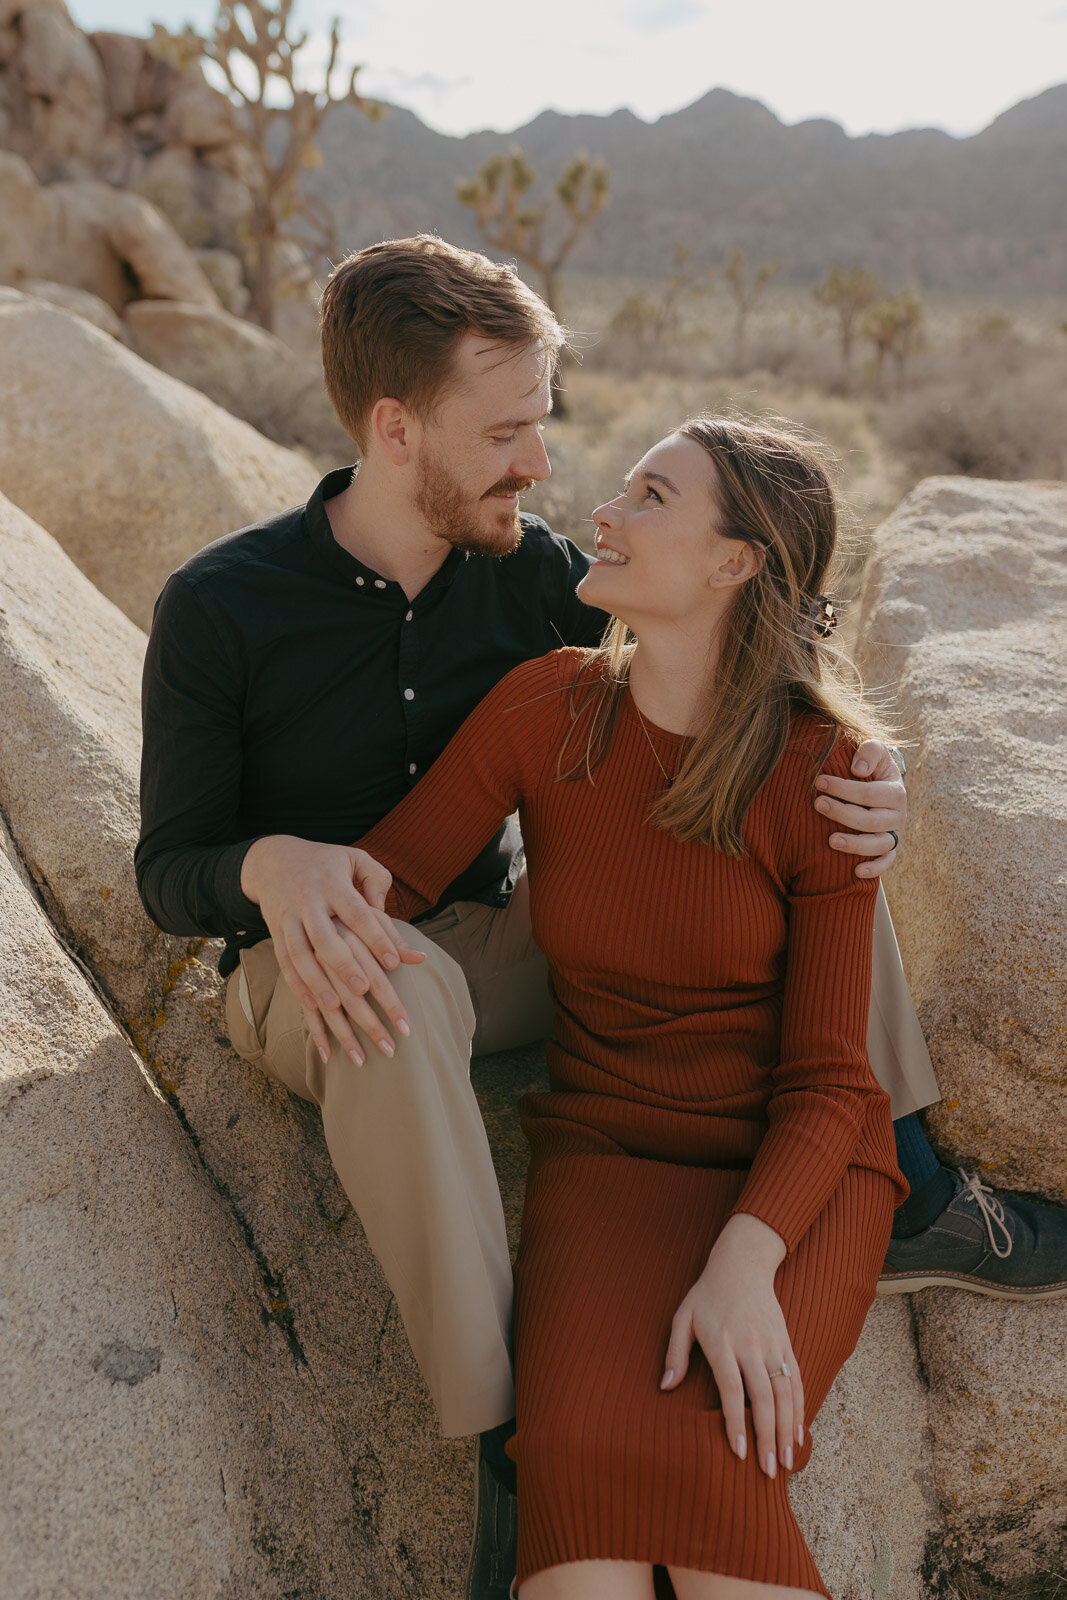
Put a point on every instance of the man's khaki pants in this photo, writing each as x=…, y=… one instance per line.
x=407, y=1139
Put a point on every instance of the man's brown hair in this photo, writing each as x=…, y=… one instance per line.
x=392, y=315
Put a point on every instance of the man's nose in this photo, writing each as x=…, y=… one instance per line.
x=532, y=461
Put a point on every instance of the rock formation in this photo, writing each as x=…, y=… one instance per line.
x=205, y=1382
x=130, y=470
x=105, y=106
x=93, y=237
x=965, y=614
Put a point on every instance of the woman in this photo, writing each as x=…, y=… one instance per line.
x=713, y=1164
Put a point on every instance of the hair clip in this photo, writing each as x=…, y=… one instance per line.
x=821, y=614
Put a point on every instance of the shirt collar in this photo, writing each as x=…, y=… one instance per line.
x=345, y=566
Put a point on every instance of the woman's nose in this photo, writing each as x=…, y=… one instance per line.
x=607, y=515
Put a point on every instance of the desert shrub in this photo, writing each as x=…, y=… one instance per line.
x=1012, y=425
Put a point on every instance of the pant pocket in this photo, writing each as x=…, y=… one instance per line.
x=248, y=996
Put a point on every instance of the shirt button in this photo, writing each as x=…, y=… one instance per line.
x=379, y=583
x=411, y=769
x=409, y=694
x=409, y=616
x=360, y=582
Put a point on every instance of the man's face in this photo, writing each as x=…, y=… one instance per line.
x=483, y=446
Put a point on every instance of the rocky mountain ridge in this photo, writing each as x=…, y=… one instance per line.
x=987, y=212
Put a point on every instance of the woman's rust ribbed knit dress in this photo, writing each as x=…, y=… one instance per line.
x=710, y=1057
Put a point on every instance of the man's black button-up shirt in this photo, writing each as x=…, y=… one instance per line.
x=290, y=689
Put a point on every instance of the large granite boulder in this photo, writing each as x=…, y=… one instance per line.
x=128, y=468
x=242, y=368
x=964, y=614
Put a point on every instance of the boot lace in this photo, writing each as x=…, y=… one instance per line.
x=992, y=1212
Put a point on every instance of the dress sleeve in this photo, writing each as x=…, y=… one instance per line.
x=824, y=1094
x=485, y=771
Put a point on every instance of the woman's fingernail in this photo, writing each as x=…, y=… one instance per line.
x=741, y=1446
x=861, y=767
x=386, y=1047
x=800, y=1433
x=667, y=1378
x=772, y=1465
x=403, y=1028
x=325, y=1054
x=788, y=1455
x=356, y=1055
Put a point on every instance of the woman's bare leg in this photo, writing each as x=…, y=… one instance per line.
x=690, y=1585
x=595, y=1580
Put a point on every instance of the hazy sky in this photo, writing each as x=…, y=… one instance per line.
x=466, y=64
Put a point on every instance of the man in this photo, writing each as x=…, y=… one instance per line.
x=301, y=675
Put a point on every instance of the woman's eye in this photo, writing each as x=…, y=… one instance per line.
x=654, y=493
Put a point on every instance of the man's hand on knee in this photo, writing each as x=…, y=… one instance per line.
x=873, y=806
x=324, y=907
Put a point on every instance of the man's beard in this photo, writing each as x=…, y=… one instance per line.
x=452, y=514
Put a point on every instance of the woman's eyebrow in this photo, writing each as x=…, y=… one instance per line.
x=654, y=477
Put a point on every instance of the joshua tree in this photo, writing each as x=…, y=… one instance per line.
x=649, y=326
x=513, y=224
x=847, y=293
x=894, y=328
x=746, y=292
x=278, y=122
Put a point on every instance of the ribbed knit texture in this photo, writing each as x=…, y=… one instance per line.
x=711, y=1019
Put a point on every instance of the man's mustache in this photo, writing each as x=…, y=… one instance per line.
x=510, y=486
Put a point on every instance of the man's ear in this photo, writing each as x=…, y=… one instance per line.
x=391, y=428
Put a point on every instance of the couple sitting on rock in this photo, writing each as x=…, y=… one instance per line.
x=345, y=706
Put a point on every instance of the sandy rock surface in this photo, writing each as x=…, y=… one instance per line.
x=159, y=1436
x=131, y=471
x=965, y=610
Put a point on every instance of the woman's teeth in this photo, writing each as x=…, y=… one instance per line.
x=604, y=554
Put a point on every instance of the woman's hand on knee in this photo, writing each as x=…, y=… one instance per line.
x=733, y=1313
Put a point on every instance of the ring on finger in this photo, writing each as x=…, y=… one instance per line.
x=893, y=835
x=779, y=1372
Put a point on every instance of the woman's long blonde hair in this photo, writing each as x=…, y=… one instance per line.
x=772, y=490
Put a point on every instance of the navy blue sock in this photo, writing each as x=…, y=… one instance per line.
x=493, y=1454
x=915, y=1158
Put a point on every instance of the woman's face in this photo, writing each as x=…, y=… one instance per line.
x=658, y=550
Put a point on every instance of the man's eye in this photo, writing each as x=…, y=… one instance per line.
x=510, y=439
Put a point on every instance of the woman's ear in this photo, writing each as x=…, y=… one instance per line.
x=743, y=562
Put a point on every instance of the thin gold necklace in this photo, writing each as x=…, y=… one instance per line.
x=668, y=777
